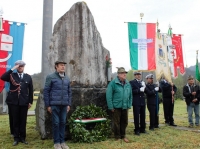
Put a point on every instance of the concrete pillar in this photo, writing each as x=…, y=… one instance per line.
x=46, y=35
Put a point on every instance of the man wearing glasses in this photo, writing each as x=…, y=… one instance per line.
x=192, y=96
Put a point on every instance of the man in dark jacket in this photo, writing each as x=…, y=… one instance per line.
x=191, y=94
x=151, y=92
x=139, y=106
x=168, y=91
x=19, y=99
x=57, y=97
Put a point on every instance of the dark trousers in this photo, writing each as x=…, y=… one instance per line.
x=19, y=114
x=10, y=119
x=153, y=115
x=139, y=118
x=168, y=108
x=120, y=122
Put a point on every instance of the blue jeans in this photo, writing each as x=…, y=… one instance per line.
x=59, y=114
x=190, y=112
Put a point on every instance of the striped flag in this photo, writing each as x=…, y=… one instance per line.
x=142, y=45
x=11, y=46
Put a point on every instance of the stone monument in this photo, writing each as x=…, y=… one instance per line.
x=77, y=41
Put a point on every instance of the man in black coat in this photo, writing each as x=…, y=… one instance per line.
x=151, y=92
x=139, y=106
x=191, y=94
x=168, y=91
x=20, y=99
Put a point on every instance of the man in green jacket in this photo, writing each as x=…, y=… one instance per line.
x=119, y=100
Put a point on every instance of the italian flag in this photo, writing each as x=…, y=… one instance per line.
x=142, y=45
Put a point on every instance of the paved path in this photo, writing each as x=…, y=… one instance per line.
x=31, y=113
x=195, y=129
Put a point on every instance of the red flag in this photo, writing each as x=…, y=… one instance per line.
x=178, y=55
x=3, y=54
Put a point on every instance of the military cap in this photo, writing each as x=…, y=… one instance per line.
x=60, y=62
x=121, y=70
x=149, y=76
x=190, y=77
x=20, y=63
x=137, y=73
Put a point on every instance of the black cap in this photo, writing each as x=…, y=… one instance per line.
x=60, y=62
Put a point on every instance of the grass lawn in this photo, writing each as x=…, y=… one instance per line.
x=166, y=137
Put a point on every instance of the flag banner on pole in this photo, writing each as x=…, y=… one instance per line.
x=197, y=69
x=11, y=46
x=178, y=55
x=171, y=53
x=162, y=64
x=142, y=45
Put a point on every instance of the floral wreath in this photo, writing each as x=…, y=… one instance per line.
x=89, y=132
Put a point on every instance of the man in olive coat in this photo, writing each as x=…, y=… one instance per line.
x=119, y=100
x=20, y=99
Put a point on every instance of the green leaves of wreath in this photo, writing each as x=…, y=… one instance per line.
x=99, y=132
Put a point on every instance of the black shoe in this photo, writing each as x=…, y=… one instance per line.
x=156, y=126
x=144, y=131
x=172, y=124
x=23, y=141
x=152, y=129
x=167, y=123
x=15, y=143
x=137, y=133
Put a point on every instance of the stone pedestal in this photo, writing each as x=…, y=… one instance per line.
x=80, y=97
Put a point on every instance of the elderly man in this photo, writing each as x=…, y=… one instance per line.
x=192, y=97
x=151, y=92
x=119, y=100
x=20, y=99
x=57, y=97
x=139, y=106
x=168, y=92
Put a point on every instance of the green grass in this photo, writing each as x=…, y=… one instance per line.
x=166, y=137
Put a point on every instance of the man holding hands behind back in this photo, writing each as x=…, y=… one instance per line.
x=20, y=99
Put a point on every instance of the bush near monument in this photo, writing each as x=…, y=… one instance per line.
x=92, y=132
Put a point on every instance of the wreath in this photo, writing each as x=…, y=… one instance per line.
x=89, y=132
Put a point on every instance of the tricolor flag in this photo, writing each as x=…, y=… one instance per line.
x=142, y=45
x=11, y=46
x=197, y=69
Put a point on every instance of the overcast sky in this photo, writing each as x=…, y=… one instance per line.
x=109, y=16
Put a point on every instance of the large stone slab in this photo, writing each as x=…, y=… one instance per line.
x=77, y=41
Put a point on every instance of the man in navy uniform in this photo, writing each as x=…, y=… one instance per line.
x=151, y=92
x=138, y=87
x=20, y=99
x=168, y=91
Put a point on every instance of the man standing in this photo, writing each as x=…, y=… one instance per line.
x=19, y=99
x=191, y=94
x=138, y=87
x=57, y=97
x=168, y=91
x=151, y=91
x=119, y=100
